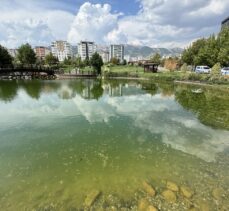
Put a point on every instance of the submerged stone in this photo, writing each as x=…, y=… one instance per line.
x=151, y=208
x=204, y=206
x=169, y=196
x=91, y=198
x=193, y=209
x=217, y=193
x=172, y=186
x=149, y=189
x=186, y=191
x=143, y=205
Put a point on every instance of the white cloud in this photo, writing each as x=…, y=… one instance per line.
x=35, y=25
x=93, y=22
x=170, y=23
x=181, y=130
x=159, y=23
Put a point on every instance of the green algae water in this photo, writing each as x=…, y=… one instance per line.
x=90, y=145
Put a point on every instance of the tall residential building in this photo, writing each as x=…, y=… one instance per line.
x=225, y=23
x=41, y=52
x=61, y=49
x=86, y=49
x=74, y=51
x=117, y=51
x=13, y=52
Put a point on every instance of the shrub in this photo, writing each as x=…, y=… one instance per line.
x=194, y=77
x=184, y=68
x=216, y=70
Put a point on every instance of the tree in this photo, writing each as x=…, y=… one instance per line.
x=156, y=58
x=5, y=58
x=208, y=54
x=223, y=40
x=51, y=60
x=216, y=69
x=114, y=61
x=124, y=62
x=192, y=51
x=209, y=51
x=67, y=61
x=96, y=62
x=26, y=55
x=78, y=62
x=87, y=62
x=184, y=68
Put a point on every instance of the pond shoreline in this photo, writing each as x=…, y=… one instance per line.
x=174, y=81
x=66, y=76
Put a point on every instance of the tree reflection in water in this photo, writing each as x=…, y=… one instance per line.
x=211, y=106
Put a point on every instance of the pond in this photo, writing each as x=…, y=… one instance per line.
x=113, y=145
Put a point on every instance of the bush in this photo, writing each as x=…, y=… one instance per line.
x=194, y=77
x=184, y=68
x=216, y=70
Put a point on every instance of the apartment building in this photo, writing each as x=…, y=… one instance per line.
x=62, y=50
x=86, y=49
x=117, y=51
x=41, y=52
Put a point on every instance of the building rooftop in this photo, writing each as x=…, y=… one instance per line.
x=224, y=21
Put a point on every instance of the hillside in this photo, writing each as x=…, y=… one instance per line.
x=145, y=51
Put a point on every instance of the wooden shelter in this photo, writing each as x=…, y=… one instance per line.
x=150, y=67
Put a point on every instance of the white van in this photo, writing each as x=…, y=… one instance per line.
x=225, y=71
x=203, y=69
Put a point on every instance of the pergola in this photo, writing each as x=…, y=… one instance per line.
x=150, y=67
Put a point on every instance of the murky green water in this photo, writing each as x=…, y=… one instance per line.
x=62, y=140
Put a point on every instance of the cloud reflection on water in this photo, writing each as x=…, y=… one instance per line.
x=156, y=114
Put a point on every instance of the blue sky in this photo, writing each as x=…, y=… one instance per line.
x=128, y=7
x=155, y=23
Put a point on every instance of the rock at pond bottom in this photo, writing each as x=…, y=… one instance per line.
x=217, y=193
x=169, y=196
x=151, y=208
x=204, y=206
x=193, y=209
x=149, y=189
x=172, y=186
x=91, y=197
x=144, y=205
x=186, y=191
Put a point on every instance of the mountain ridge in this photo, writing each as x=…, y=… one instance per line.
x=146, y=51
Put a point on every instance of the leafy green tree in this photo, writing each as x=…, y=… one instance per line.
x=67, y=61
x=124, y=62
x=192, y=51
x=26, y=55
x=96, y=62
x=5, y=58
x=156, y=58
x=216, y=69
x=208, y=54
x=209, y=51
x=114, y=61
x=87, y=62
x=78, y=62
x=51, y=60
x=184, y=67
x=223, y=39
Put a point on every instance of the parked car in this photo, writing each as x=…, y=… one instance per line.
x=203, y=69
x=225, y=71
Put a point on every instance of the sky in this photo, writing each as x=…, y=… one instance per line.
x=155, y=23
